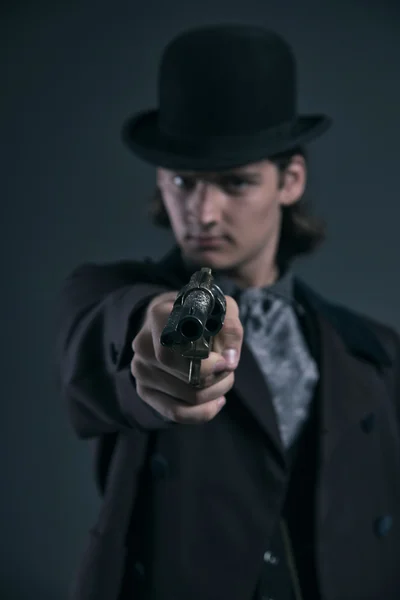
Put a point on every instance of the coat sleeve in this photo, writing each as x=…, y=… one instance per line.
x=99, y=312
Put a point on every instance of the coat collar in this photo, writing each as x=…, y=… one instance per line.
x=353, y=329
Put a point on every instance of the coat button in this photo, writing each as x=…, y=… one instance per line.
x=368, y=423
x=159, y=466
x=138, y=569
x=383, y=525
x=270, y=558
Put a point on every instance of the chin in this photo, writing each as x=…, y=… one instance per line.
x=210, y=258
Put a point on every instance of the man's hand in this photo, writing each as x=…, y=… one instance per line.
x=161, y=374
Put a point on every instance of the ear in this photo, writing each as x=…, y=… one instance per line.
x=293, y=181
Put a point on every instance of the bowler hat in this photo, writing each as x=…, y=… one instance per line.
x=226, y=97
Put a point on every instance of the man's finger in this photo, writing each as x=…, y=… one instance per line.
x=179, y=412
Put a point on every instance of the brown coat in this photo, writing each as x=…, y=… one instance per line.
x=216, y=489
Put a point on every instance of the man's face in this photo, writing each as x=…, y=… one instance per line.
x=227, y=219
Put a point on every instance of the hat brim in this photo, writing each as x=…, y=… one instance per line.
x=144, y=137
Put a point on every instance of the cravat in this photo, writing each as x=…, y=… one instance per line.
x=273, y=334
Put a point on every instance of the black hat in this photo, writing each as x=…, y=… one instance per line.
x=227, y=97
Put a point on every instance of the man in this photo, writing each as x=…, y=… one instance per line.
x=279, y=477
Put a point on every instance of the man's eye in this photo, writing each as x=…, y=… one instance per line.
x=184, y=183
x=236, y=183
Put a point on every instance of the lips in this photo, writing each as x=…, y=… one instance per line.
x=203, y=240
x=205, y=236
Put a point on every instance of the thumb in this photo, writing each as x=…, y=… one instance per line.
x=228, y=342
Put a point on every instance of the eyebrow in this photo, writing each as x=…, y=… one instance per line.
x=221, y=175
x=253, y=175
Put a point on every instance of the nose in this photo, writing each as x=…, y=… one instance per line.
x=206, y=205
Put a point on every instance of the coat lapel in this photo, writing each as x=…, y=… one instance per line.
x=253, y=392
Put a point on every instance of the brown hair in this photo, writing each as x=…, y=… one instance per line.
x=301, y=231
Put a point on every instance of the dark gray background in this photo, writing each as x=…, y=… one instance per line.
x=72, y=71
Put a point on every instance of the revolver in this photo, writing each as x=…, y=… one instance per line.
x=197, y=316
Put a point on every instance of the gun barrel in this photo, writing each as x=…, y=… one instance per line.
x=196, y=309
x=191, y=328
